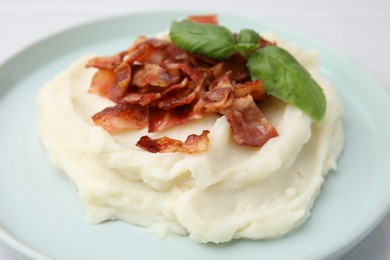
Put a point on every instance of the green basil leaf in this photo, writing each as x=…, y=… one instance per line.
x=286, y=79
x=248, y=36
x=245, y=49
x=213, y=41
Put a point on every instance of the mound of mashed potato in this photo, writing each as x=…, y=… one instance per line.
x=225, y=193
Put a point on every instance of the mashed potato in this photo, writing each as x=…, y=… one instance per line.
x=225, y=193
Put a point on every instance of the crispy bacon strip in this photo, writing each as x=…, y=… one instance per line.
x=177, y=99
x=264, y=43
x=193, y=73
x=111, y=83
x=107, y=62
x=193, y=144
x=222, y=82
x=162, y=119
x=146, y=98
x=236, y=64
x=219, y=96
x=248, y=124
x=105, y=84
x=152, y=74
x=182, y=96
x=214, y=101
x=254, y=88
x=123, y=76
x=122, y=116
x=211, y=19
x=153, y=51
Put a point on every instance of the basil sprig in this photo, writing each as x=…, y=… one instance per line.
x=282, y=75
x=248, y=42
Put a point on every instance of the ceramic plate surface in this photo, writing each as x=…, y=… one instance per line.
x=42, y=217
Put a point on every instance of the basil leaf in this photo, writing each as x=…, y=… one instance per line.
x=248, y=36
x=286, y=79
x=245, y=49
x=213, y=41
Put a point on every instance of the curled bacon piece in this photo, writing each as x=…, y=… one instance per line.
x=254, y=88
x=248, y=124
x=181, y=96
x=122, y=117
x=146, y=98
x=108, y=62
x=151, y=74
x=162, y=119
x=193, y=144
x=154, y=51
x=214, y=101
x=123, y=76
x=219, y=96
x=264, y=43
x=103, y=83
x=236, y=64
x=111, y=83
x=147, y=50
x=211, y=19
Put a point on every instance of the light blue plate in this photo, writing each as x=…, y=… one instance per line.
x=41, y=214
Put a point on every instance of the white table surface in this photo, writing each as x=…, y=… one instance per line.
x=359, y=28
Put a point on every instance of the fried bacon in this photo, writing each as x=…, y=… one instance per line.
x=145, y=98
x=153, y=51
x=248, y=124
x=151, y=74
x=107, y=83
x=236, y=64
x=157, y=85
x=211, y=19
x=219, y=96
x=122, y=117
x=254, y=88
x=193, y=144
x=264, y=43
x=123, y=76
x=162, y=119
x=181, y=96
x=214, y=101
x=107, y=63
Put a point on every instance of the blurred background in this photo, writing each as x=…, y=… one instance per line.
x=361, y=29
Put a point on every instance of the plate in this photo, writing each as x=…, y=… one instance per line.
x=42, y=217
